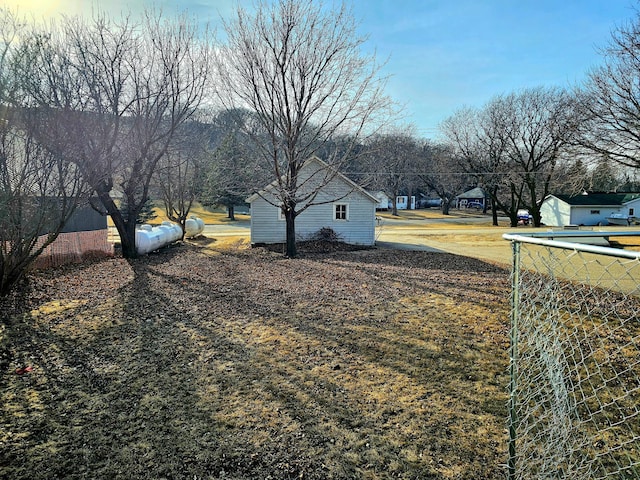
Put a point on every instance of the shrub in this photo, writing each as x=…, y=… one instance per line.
x=326, y=234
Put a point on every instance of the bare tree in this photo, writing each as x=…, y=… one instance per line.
x=514, y=144
x=38, y=190
x=440, y=171
x=391, y=161
x=479, y=151
x=117, y=92
x=479, y=146
x=298, y=65
x=179, y=173
x=538, y=127
x=610, y=100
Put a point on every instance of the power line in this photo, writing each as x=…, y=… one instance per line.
x=446, y=173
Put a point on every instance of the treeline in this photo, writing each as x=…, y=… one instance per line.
x=113, y=112
x=518, y=147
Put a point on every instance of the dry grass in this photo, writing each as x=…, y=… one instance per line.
x=210, y=216
x=227, y=362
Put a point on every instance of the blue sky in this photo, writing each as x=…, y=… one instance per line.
x=446, y=54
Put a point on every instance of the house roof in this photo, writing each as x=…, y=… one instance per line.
x=601, y=199
x=323, y=165
x=473, y=193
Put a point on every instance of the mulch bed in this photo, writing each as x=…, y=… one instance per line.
x=194, y=363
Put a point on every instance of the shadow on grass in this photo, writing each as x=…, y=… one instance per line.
x=250, y=365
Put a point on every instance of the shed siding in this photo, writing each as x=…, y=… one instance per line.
x=266, y=227
x=554, y=212
x=358, y=229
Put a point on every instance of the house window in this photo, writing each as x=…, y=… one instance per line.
x=281, y=214
x=595, y=212
x=631, y=212
x=341, y=211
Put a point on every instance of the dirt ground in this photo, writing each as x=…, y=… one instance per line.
x=207, y=361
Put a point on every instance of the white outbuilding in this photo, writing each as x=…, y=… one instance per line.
x=340, y=204
x=384, y=202
x=589, y=208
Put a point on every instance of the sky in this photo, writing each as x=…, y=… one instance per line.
x=442, y=55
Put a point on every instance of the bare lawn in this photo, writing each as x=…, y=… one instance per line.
x=203, y=362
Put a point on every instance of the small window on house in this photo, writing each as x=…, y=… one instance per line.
x=341, y=211
x=595, y=212
x=281, y=214
x=631, y=212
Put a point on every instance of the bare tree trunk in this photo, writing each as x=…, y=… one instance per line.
x=126, y=228
x=446, y=204
x=494, y=209
x=290, y=218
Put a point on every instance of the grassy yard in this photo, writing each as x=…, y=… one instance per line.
x=220, y=361
x=210, y=216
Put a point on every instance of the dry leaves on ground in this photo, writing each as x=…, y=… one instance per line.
x=191, y=363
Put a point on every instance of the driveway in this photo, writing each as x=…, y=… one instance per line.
x=484, y=243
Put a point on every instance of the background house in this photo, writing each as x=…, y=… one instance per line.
x=474, y=198
x=588, y=208
x=404, y=202
x=384, y=202
x=341, y=205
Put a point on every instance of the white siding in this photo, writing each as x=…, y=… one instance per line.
x=558, y=213
x=554, y=212
x=266, y=227
x=633, y=204
x=383, y=200
x=358, y=229
x=591, y=214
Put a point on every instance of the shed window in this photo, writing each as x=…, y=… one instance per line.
x=595, y=212
x=341, y=211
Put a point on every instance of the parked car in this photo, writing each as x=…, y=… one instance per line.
x=475, y=204
x=524, y=217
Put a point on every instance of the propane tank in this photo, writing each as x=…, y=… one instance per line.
x=193, y=226
x=150, y=238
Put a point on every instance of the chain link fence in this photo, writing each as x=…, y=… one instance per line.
x=574, y=410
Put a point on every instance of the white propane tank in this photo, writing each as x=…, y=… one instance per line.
x=173, y=231
x=150, y=238
x=193, y=226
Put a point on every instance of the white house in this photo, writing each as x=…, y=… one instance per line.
x=384, y=202
x=588, y=208
x=404, y=202
x=340, y=204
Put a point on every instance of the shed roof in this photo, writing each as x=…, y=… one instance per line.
x=592, y=199
x=323, y=165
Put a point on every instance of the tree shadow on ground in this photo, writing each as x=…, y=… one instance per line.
x=251, y=365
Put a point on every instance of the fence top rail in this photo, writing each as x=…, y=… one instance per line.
x=568, y=232
x=546, y=239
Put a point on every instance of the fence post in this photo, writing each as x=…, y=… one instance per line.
x=513, y=357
